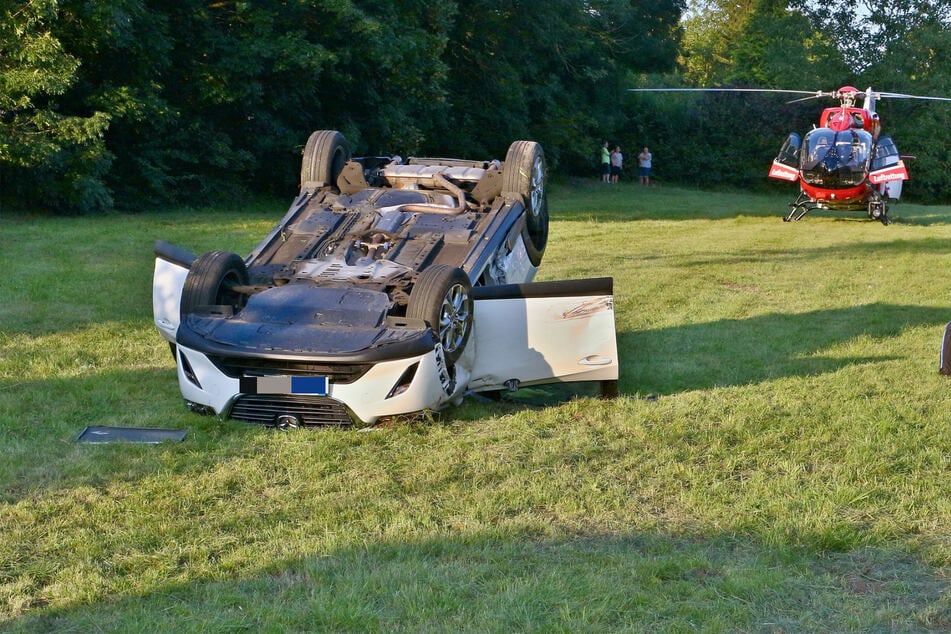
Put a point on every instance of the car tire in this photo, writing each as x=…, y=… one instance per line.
x=324, y=157
x=523, y=174
x=442, y=296
x=211, y=281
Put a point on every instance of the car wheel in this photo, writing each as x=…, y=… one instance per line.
x=524, y=174
x=211, y=281
x=324, y=157
x=442, y=297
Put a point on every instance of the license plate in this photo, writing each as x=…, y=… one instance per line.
x=311, y=385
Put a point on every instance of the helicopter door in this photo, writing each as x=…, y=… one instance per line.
x=786, y=164
x=887, y=169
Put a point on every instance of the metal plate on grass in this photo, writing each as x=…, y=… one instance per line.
x=100, y=434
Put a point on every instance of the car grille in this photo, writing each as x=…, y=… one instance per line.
x=267, y=409
x=335, y=372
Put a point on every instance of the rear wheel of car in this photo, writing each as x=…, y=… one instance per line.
x=442, y=296
x=524, y=174
x=211, y=281
x=324, y=157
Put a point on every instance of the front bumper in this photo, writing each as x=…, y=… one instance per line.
x=385, y=388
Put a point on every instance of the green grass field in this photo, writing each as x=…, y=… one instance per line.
x=779, y=459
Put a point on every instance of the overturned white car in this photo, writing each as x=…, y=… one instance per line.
x=390, y=286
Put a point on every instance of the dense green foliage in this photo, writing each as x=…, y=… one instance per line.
x=40, y=144
x=187, y=100
x=140, y=103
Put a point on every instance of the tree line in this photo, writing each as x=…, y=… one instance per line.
x=142, y=103
x=722, y=138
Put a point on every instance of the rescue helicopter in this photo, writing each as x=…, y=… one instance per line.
x=844, y=163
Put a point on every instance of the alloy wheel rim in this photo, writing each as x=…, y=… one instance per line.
x=454, y=318
x=537, y=184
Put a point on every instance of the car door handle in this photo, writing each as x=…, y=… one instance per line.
x=595, y=359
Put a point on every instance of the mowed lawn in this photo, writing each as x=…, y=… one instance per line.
x=779, y=459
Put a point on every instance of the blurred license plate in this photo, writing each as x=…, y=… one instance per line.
x=314, y=385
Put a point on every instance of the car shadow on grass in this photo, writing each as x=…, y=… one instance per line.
x=778, y=345
x=730, y=352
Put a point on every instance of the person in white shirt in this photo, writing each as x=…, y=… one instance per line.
x=644, y=162
x=617, y=164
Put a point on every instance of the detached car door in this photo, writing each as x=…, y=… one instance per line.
x=544, y=332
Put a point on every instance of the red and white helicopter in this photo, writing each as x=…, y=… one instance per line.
x=844, y=163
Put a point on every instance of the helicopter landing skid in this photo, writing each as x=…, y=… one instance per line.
x=877, y=208
x=799, y=208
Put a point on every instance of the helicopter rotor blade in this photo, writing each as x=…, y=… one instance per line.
x=810, y=94
x=817, y=95
x=794, y=92
x=896, y=95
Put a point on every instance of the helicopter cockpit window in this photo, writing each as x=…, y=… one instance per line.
x=835, y=158
x=818, y=144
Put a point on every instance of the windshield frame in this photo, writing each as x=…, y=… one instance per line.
x=836, y=159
